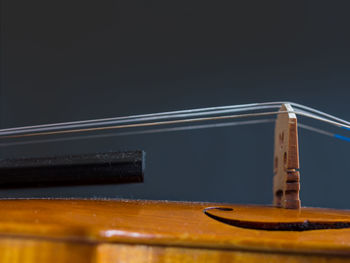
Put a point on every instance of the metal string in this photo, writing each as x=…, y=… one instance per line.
x=154, y=116
x=172, y=114
x=123, y=120
x=150, y=131
x=146, y=124
x=173, y=129
x=172, y=118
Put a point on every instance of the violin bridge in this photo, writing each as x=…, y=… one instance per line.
x=286, y=181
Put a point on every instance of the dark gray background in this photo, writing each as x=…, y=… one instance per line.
x=72, y=60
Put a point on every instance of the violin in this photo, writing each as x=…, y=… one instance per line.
x=91, y=230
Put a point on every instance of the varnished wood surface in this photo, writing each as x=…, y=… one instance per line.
x=26, y=250
x=168, y=224
x=140, y=253
x=33, y=250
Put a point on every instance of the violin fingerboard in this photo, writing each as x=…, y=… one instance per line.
x=85, y=169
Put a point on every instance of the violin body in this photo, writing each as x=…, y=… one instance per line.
x=58, y=230
x=69, y=230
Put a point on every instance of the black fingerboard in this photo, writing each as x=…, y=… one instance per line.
x=85, y=169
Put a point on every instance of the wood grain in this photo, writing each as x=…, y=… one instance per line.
x=286, y=181
x=140, y=253
x=157, y=226
x=25, y=250
x=33, y=250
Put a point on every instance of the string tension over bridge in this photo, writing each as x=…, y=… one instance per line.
x=124, y=167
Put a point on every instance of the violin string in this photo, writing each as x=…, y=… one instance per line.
x=170, y=122
x=154, y=116
x=318, y=112
x=115, y=121
x=83, y=126
x=164, y=115
x=313, y=129
x=187, y=113
x=146, y=124
x=173, y=129
x=150, y=131
x=323, y=132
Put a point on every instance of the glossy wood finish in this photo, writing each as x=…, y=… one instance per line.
x=35, y=250
x=158, y=227
x=278, y=219
x=141, y=253
x=24, y=250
